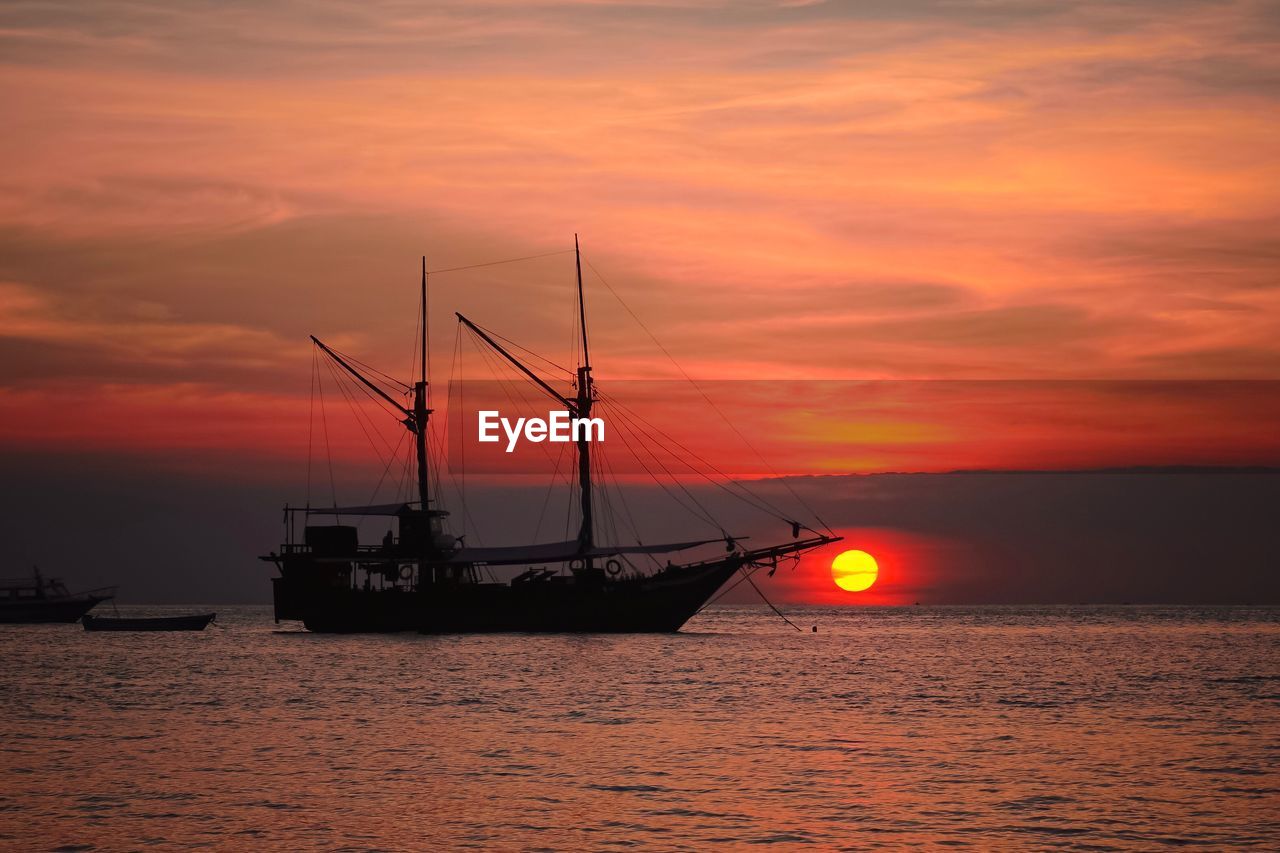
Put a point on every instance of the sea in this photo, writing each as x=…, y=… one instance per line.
x=1086, y=728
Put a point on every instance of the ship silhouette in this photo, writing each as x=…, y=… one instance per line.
x=41, y=599
x=421, y=578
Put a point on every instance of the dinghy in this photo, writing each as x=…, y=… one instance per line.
x=193, y=622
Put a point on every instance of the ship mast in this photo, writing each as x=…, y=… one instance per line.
x=586, y=534
x=579, y=406
x=420, y=410
x=415, y=419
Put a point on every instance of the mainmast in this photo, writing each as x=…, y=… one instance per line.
x=579, y=406
x=420, y=410
x=586, y=534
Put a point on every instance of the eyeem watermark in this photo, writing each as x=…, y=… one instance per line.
x=836, y=426
x=558, y=427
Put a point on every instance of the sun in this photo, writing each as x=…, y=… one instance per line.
x=854, y=571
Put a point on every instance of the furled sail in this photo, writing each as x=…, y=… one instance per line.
x=558, y=552
x=377, y=509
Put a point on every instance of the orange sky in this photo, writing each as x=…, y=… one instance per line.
x=794, y=190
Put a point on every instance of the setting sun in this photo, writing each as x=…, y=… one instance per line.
x=854, y=571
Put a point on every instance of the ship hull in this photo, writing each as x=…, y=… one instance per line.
x=659, y=604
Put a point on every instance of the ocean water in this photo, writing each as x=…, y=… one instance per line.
x=1073, y=727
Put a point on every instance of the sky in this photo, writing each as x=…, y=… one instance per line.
x=781, y=192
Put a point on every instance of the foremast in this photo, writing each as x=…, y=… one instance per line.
x=420, y=530
x=416, y=419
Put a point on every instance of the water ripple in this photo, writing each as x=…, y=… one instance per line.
x=1080, y=728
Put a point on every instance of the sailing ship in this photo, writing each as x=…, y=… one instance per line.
x=40, y=599
x=421, y=578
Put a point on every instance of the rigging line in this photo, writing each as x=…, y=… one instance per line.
x=456, y=366
x=462, y=438
x=509, y=388
x=626, y=507
x=435, y=459
x=386, y=376
x=435, y=464
x=514, y=362
x=399, y=416
x=574, y=338
x=608, y=523
x=408, y=479
x=546, y=498
x=604, y=506
x=328, y=448
x=455, y=352
x=631, y=519
x=496, y=263
x=599, y=505
x=438, y=459
x=577, y=347
x=745, y=575
x=360, y=417
x=523, y=349
x=611, y=499
x=423, y=324
x=623, y=430
x=742, y=576
x=747, y=496
x=609, y=495
x=703, y=393
x=311, y=418
x=413, y=356
x=770, y=603
x=476, y=532
x=508, y=363
x=466, y=514
x=614, y=495
x=574, y=500
x=393, y=460
x=493, y=363
x=404, y=487
x=437, y=434
x=631, y=425
x=426, y=323
x=699, y=511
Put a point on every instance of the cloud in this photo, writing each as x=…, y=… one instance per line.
x=924, y=189
x=130, y=339
x=916, y=189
